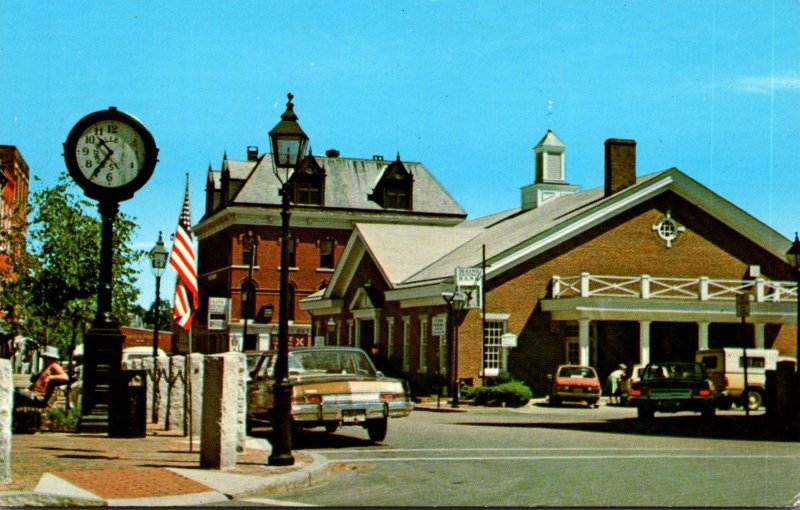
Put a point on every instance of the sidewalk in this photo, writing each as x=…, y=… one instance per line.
x=68, y=469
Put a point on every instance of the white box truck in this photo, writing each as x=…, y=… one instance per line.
x=725, y=367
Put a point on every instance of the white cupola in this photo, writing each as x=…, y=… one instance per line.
x=550, y=173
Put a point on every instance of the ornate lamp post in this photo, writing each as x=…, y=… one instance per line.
x=793, y=257
x=249, y=243
x=158, y=261
x=455, y=303
x=288, y=145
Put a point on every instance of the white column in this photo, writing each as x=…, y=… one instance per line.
x=644, y=342
x=759, y=327
x=583, y=331
x=702, y=335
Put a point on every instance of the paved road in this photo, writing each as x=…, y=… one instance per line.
x=570, y=456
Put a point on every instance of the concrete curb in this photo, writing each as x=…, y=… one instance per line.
x=235, y=486
x=441, y=409
x=53, y=491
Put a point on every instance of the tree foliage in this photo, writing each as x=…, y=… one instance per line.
x=54, y=292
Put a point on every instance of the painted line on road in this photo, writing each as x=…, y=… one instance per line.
x=521, y=449
x=567, y=457
x=273, y=502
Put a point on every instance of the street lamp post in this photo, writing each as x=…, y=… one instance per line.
x=455, y=303
x=249, y=243
x=158, y=261
x=793, y=257
x=288, y=145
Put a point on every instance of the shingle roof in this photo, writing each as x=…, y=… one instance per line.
x=348, y=182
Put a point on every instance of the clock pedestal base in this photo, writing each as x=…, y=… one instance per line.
x=102, y=364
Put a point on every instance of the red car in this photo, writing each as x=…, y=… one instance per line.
x=576, y=383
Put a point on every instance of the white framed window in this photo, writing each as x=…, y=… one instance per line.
x=573, y=344
x=423, y=343
x=406, y=343
x=492, y=351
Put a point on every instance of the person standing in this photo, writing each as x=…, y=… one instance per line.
x=614, y=384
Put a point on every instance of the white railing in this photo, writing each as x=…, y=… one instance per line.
x=649, y=287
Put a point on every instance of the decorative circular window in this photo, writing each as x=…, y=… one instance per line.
x=668, y=229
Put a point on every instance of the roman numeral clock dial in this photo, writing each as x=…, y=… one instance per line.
x=110, y=154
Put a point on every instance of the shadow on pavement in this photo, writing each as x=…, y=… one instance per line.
x=318, y=438
x=754, y=428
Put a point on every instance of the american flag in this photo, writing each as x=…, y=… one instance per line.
x=183, y=261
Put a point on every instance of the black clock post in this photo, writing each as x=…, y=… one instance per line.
x=103, y=342
x=109, y=154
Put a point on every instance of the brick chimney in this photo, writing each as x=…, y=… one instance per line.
x=252, y=153
x=620, y=164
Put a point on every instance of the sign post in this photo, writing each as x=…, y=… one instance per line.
x=743, y=311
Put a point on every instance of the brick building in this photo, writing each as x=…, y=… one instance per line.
x=14, y=182
x=331, y=194
x=641, y=269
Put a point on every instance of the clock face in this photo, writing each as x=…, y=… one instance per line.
x=110, y=154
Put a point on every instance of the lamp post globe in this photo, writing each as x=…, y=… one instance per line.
x=288, y=145
x=793, y=258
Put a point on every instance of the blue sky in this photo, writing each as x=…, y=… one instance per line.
x=465, y=87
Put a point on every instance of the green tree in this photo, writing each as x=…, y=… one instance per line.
x=55, y=287
x=164, y=315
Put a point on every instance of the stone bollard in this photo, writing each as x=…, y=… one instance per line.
x=194, y=369
x=162, y=364
x=174, y=397
x=219, y=437
x=241, y=410
x=6, y=414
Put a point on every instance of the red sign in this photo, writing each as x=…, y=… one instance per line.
x=294, y=341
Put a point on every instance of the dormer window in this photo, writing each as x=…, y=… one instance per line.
x=394, y=187
x=309, y=183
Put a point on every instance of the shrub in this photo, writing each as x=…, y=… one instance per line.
x=59, y=420
x=512, y=393
x=468, y=392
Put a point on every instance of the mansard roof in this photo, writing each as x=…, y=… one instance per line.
x=348, y=184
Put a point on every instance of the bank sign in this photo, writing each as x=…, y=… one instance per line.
x=469, y=280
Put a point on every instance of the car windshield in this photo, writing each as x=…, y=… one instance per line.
x=576, y=372
x=331, y=362
x=673, y=371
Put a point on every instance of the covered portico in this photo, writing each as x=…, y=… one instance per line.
x=645, y=299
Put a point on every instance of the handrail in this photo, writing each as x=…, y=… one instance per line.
x=648, y=287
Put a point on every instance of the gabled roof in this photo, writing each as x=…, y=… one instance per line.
x=412, y=256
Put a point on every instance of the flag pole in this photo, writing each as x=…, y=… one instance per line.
x=189, y=387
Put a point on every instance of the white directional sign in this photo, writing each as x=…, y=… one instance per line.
x=439, y=325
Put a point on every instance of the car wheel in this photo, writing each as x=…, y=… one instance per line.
x=331, y=427
x=592, y=403
x=376, y=429
x=725, y=405
x=753, y=399
x=644, y=413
